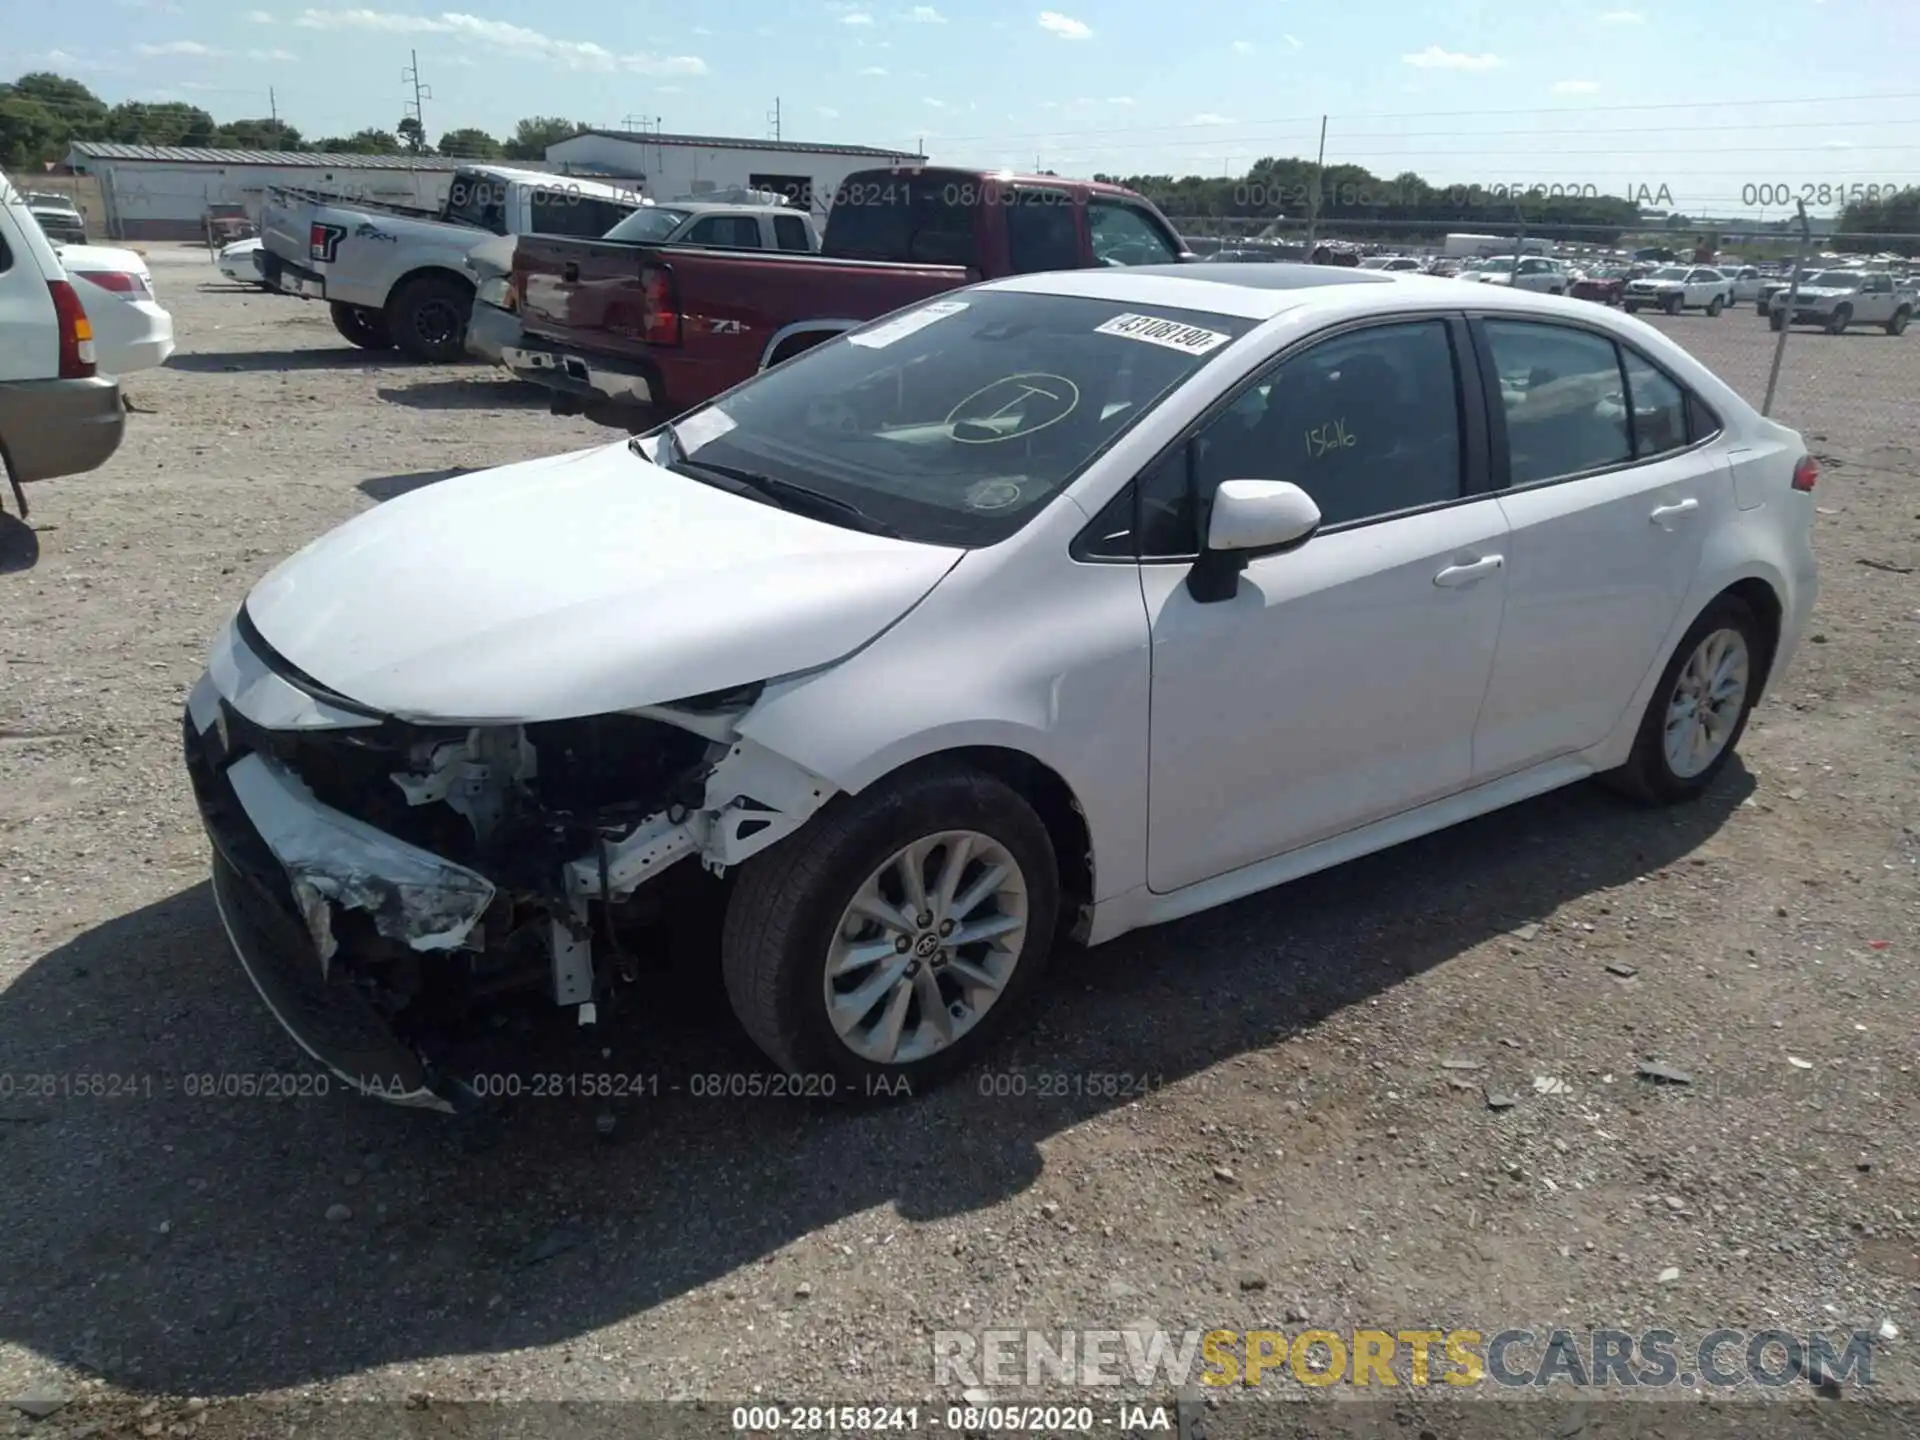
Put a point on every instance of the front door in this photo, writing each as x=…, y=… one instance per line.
x=1342, y=682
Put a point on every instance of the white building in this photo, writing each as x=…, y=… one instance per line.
x=161, y=192
x=668, y=167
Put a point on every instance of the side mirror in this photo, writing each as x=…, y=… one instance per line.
x=1250, y=518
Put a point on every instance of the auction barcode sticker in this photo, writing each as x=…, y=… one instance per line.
x=1170, y=333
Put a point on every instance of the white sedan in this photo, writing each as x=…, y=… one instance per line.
x=1054, y=607
x=131, y=329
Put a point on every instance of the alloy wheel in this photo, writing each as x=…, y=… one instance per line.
x=1706, y=703
x=926, y=947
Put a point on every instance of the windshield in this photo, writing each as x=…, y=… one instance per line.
x=953, y=423
x=1671, y=272
x=647, y=223
x=1832, y=280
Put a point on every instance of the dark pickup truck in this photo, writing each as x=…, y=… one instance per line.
x=631, y=334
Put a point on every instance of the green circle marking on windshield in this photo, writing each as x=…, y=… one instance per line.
x=1013, y=407
x=993, y=495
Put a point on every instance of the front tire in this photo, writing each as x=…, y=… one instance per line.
x=1715, y=306
x=1899, y=321
x=1672, y=304
x=360, y=326
x=1700, y=707
x=841, y=949
x=428, y=317
x=1842, y=317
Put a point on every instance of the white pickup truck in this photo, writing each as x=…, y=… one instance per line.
x=396, y=278
x=1674, y=288
x=1835, y=299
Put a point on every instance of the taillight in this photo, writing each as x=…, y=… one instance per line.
x=76, y=332
x=121, y=282
x=659, y=308
x=1806, y=474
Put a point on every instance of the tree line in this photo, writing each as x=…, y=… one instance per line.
x=43, y=114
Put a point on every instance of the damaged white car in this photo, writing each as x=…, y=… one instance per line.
x=1054, y=607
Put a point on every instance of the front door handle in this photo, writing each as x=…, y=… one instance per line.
x=1454, y=576
x=1663, y=513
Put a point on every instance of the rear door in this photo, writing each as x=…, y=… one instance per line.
x=29, y=329
x=1611, y=485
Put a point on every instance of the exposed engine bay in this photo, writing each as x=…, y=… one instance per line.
x=429, y=869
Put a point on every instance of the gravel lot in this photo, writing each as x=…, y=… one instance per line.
x=1306, y=1152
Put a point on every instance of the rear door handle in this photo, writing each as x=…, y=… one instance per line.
x=1454, y=576
x=1663, y=513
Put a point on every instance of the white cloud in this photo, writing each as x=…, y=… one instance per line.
x=1293, y=41
x=569, y=54
x=1434, y=58
x=1243, y=47
x=1120, y=99
x=856, y=17
x=264, y=55
x=158, y=7
x=926, y=15
x=1065, y=26
x=178, y=47
x=1575, y=87
x=1838, y=145
x=827, y=112
x=1623, y=17
x=1207, y=117
x=874, y=70
x=260, y=17
x=701, y=30
x=936, y=104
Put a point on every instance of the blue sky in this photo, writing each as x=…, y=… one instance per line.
x=1463, y=92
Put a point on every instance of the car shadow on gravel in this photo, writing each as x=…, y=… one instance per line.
x=482, y=392
x=19, y=543
x=171, y=1231
x=243, y=361
x=391, y=487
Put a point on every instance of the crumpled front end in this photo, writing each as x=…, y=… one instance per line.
x=381, y=880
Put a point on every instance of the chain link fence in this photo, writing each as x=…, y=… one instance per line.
x=1858, y=387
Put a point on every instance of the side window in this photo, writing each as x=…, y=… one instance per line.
x=1659, y=408
x=732, y=232
x=558, y=212
x=1041, y=233
x=1111, y=535
x=1561, y=392
x=790, y=233
x=6, y=256
x=1879, y=284
x=1366, y=423
x=1701, y=422
x=1124, y=235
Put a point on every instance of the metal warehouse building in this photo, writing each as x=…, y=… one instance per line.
x=161, y=192
x=670, y=167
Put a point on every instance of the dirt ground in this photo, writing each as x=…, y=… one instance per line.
x=1315, y=1145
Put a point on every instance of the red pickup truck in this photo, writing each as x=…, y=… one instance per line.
x=630, y=334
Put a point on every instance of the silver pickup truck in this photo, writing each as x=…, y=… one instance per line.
x=396, y=277
x=1835, y=299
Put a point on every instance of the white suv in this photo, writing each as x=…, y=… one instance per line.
x=1674, y=288
x=1535, y=273
x=57, y=415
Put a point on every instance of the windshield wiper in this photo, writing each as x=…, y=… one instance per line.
x=790, y=496
x=768, y=489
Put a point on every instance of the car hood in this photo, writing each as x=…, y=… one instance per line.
x=578, y=585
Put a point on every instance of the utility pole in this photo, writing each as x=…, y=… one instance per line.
x=1313, y=200
x=773, y=117
x=421, y=92
x=273, y=108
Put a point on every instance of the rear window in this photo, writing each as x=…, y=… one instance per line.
x=923, y=219
x=956, y=421
x=650, y=223
x=791, y=233
x=564, y=211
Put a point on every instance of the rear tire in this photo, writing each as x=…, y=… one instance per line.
x=788, y=915
x=1899, y=321
x=361, y=326
x=428, y=318
x=1654, y=773
x=1630, y=307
